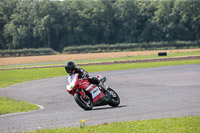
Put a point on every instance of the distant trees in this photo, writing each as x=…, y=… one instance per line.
x=57, y=24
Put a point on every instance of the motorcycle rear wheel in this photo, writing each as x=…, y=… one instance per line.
x=85, y=103
x=115, y=100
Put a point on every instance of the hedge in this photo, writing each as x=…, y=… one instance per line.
x=27, y=52
x=130, y=47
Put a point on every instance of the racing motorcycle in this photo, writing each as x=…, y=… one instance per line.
x=88, y=95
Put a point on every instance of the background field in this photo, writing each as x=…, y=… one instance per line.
x=79, y=57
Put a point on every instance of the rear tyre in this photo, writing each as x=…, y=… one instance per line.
x=85, y=103
x=115, y=100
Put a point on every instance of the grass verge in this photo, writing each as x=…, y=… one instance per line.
x=10, y=77
x=166, y=125
x=9, y=105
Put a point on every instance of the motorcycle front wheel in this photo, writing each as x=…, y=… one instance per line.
x=115, y=100
x=85, y=103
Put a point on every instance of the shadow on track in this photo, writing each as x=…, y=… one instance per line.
x=109, y=107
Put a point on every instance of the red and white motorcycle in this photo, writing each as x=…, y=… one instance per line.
x=88, y=95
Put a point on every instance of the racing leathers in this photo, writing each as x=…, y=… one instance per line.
x=82, y=74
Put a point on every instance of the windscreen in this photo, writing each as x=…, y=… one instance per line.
x=70, y=79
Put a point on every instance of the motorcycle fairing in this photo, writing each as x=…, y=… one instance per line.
x=94, y=91
x=72, y=84
x=99, y=77
x=96, y=94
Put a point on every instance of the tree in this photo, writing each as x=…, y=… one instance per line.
x=165, y=20
x=7, y=8
x=103, y=18
x=48, y=23
x=187, y=19
x=129, y=18
x=149, y=30
x=20, y=26
x=57, y=24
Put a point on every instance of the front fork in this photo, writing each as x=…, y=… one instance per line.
x=103, y=86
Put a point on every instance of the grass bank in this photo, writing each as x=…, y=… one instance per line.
x=9, y=105
x=10, y=77
x=166, y=125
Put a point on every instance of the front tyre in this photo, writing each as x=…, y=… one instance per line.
x=85, y=103
x=115, y=100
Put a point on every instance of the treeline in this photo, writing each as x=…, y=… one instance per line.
x=58, y=24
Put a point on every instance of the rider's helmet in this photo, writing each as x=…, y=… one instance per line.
x=70, y=66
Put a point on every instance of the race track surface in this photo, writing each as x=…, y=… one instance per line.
x=149, y=93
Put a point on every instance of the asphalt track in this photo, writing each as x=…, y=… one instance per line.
x=172, y=91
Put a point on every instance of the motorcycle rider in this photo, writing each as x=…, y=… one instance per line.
x=71, y=68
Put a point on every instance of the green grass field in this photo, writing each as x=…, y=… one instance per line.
x=189, y=124
x=9, y=105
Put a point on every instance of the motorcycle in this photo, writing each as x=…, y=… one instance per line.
x=88, y=95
